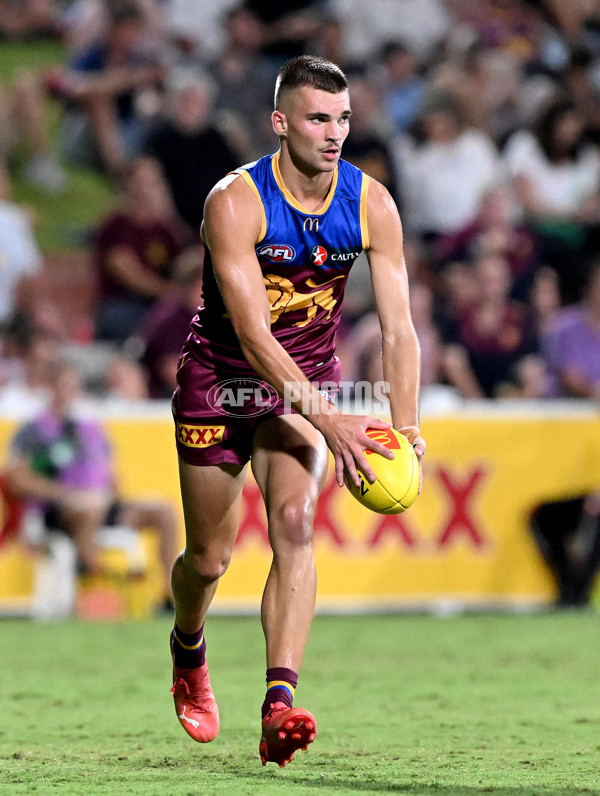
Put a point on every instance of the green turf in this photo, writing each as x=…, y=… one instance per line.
x=405, y=704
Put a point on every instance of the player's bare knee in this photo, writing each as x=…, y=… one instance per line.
x=205, y=567
x=292, y=524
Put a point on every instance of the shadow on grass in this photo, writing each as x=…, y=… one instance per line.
x=319, y=781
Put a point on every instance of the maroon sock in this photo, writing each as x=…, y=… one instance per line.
x=281, y=684
x=189, y=649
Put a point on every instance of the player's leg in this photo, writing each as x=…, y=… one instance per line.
x=211, y=503
x=289, y=463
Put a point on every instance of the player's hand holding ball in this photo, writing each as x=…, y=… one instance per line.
x=398, y=480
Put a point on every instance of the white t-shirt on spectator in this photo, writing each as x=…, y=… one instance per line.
x=201, y=21
x=443, y=183
x=560, y=187
x=19, y=254
x=368, y=24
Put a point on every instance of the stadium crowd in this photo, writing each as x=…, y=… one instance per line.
x=482, y=117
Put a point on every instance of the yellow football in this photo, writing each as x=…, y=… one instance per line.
x=397, y=480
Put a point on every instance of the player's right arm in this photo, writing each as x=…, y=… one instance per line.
x=232, y=223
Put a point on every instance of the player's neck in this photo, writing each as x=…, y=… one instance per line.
x=309, y=190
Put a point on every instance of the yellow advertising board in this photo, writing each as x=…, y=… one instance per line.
x=466, y=540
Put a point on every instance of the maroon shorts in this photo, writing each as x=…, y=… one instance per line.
x=216, y=412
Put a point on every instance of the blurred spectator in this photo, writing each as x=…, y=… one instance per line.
x=421, y=307
x=60, y=463
x=402, y=88
x=491, y=335
x=544, y=299
x=529, y=379
x=363, y=347
x=197, y=26
x=27, y=19
x=134, y=251
x=102, y=125
x=27, y=357
x=366, y=27
x=165, y=328
x=556, y=177
x=125, y=381
x=514, y=26
x=486, y=85
x=571, y=18
x=85, y=22
x=579, y=82
x=244, y=77
x=444, y=176
x=366, y=148
x=495, y=230
x=572, y=344
x=288, y=26
x=568, y=534
x=23, y=121
x=193, y=154
x=20, y=257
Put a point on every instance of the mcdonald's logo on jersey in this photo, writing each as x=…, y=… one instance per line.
x=311, y=223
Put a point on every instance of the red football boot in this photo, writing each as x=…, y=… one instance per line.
x=195, y=703
x=284, y=731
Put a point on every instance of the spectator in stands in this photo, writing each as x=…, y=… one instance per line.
x=572, y=344
x=445, y=175
x=367, y=26
x=192, y=152
x=513, y=26
x=402, y=88
x=21, y=256
x=164, y=329
x=23, y=122
x=491, y=336
x=288, y=26
x=101, y=126
x=556, y=177
x=568, y=534
x=486, y=84
x=134, y=251
x=544, y=299
x=196, y=26
x=244, y=78
x=60, y=464
x=27, y=19
x=367, y=147
x=496, y=230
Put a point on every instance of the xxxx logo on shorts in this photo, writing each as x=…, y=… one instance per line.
x=199, y=436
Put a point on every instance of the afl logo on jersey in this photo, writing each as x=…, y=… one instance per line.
x=277, y=252
x=318, y=255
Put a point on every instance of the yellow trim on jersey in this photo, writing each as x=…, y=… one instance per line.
x=263, y=217
x=364, y=227
x=290, y=198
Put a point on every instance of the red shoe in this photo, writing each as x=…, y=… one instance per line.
x=195, y=703
x=284, y=731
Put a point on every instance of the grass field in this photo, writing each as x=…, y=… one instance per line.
x=405, y=704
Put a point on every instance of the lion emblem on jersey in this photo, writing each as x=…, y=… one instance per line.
x=284, y=297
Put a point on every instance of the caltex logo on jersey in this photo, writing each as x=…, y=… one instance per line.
x=318, y=255
x=277, y=252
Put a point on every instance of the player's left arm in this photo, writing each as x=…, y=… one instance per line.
x=401, y=351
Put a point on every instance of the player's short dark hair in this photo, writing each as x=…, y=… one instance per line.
x=310, y=70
